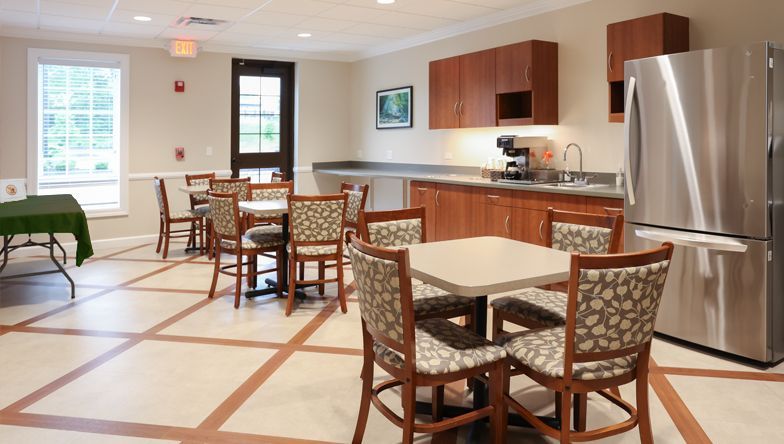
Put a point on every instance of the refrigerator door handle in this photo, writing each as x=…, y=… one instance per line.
x=693, y=240
x=627, y=125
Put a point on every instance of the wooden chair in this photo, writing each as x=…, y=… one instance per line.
x=229, y=185
x=198, y=201
x=316, y=231
x=278, y=177
x=167, y=217
x=606, y=342
x=566, y=231
x=357, y=196
x=227, y=230
x=269, y=191
x=428, y=352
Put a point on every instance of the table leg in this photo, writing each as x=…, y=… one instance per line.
x=6, y=242
x=52, y=243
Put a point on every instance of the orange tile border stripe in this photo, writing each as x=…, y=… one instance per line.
x=728, y=374
x=681, y=416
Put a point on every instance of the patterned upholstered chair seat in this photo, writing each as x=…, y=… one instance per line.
x=314, y=250
x=265, y=233
x=249, y=244
x=182, y=214
x=430, y=300
x=542, y=306
x=444, y=347
x=543, y=351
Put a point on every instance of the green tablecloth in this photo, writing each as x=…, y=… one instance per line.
x=58, y=213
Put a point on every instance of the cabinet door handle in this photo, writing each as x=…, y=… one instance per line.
x=541, y=224
x=527, y=78
x=493, y=196
x=609, y=61
x=610, y=210
x=421, y=189
x=460, y=109
x=437, y=204
x=506, y=224
x=454, y=109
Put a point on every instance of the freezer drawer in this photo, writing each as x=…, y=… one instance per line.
x=717, y=292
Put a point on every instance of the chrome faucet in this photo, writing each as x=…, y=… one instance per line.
x=581, y=177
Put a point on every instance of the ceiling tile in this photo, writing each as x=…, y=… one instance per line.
x=416, y=21
x=381, y=31
x=18, y=5
x=352, y=13
x=446, y=9
x=75, y=10
x=216, y=12
x=356, y=39
x=171, y=7
x=497, y=4
x=246, y=4
x=254, y=29
x=19, y=18
x=275, y=18
x=132, y=30
x=324, y=24
x=301, y=7
x=126, y=16
x=71, y=24
x=106, y=4
x=187, y=34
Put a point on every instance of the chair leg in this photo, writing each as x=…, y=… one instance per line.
x=409, y=412
x=498, y=324
x=301, y=271
x=580, y=411
x=292, y=285
x=437, y=402
x=566, y=407
x=279, y=265
x=321, y=274
x=238, y=287
x=210, y=240
x=558, y=406
x=160, y=236
x=367, y=387
x=216, y=271
x=341, y=288
x=166, y=235
x=615, y=391
x=499, y=383
x=201, y=237
x=643, y=410
x=249, y=277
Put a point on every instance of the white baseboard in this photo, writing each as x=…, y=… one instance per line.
x=174, y=174
x=70, y=247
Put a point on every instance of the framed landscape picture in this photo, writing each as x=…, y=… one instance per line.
x=394, y=108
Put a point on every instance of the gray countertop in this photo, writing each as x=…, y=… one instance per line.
x=419, y=173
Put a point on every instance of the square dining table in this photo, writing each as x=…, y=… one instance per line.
x=481, y=266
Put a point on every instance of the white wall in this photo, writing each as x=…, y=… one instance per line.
x=161, y=119
x=581, y=35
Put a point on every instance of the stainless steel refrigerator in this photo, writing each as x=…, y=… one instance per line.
x=705, y=169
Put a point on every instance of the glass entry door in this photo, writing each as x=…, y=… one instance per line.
x=262, y=113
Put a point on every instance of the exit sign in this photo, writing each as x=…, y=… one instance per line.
x=183, y=48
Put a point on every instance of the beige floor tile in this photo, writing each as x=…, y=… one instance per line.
x=27, y=435
x=103, y=272
x=314, y=396
x=197, y=277
x=340, y=329
x=21, y=302
x=122, y=310
x=157, y=383
x=668, y=354
x=714, y=401
x=261, y=319
x=176, y=253
x=32, y=360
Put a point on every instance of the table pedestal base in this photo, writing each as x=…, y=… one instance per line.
x=272, y=288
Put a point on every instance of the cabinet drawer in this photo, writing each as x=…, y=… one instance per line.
x=493, y=196
x=541, y=201
x=601, y=205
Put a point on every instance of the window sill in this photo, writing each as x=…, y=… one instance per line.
x=106, y=214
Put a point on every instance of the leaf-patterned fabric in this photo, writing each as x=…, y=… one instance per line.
x=269, y=194
x=378, y=290
x=543, y=351
x=316, y=220
x=265, y=234
x=173, y=215
x=182, y=214
x=430, y=300
x=314, y=250
x=222, y=213
x=583, y=239
x=353, y=206
x=240, y=187
x=395, y=233
x=158, y=195
x=276, y=179
x=544, y=307
x=617, y=307
x=200, y=197
x=250, y=244
x=444, y=347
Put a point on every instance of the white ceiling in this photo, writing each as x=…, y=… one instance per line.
x=341, y=29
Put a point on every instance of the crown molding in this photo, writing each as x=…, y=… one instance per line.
x=534, y=8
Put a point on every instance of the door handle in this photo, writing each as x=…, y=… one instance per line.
x=460, y=109
x=627, y=129
x=541, y=224
x=506, y=224
x=454, y=109
x=437, y=192
x=421, y=189
x=527, y=78
x=693, y=240
x=609, y=61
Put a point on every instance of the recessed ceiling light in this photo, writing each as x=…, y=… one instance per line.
x=304, y=35
x=142, y=18
x=385, y=2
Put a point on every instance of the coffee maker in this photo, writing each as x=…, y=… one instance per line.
x=519, y=149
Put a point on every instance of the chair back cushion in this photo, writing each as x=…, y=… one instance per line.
x=616, y=307
x=269, y=193
x=222, y=213
x=378, y=290
x=353, y=206
x=395, y=233
x=159, y=195
x=239, y=187
x=200, y=197
x=316, y=220
x=584, y=239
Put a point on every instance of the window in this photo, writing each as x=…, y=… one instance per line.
x=78, y=131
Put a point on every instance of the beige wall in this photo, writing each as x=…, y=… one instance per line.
x=161, y=119
x=581, y=35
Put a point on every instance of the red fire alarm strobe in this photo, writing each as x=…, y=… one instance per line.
x=179, y=152
x=179, y=86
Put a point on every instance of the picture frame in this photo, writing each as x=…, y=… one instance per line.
x=395, y=108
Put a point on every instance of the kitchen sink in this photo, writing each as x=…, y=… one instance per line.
x=574, y=185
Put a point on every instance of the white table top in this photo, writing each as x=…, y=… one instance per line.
x=194, y=189
x=264, y=207
x=480, y=266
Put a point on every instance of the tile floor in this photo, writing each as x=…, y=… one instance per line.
x=141, y=355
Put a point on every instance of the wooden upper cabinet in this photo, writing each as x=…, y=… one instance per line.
x=526, y=83
x=477, y=89
x=513, y=68
x=444, y=93
x=638, y=38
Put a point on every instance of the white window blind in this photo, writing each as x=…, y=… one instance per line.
x=79, y=140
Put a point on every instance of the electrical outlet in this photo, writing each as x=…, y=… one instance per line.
x=389, y=154
x=359, y=154
x=448, y=156
x=209, y=151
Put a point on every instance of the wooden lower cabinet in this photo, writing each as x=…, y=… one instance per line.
x=455, y=215
x=496, y=220
x=526, y=224
x=423, y=194
x=601, y=205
